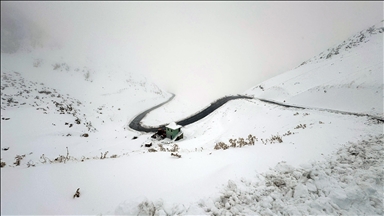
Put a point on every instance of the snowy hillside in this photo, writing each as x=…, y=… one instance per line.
x=48, y=99
x=64, y=127
x=347, y=77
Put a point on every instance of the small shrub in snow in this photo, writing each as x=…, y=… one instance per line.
x=77, y=194
x=221, y=145
x=176, y=155
x=2, y=164
x=152, y=150
x=90, y=126
x=44, y=159
x=287, y=133
x=232, y=142
x=104, y=156
x=276, y=138
x=237, y=143
x=301, y=126
x=113, y=156
x=241, y=142
x=84, y=135
x=175, y=148
x=78, y=121
x=61, y=158
x=147, y=207
x=371, y=29
x=273, y=139
x=18, y=158
x=30, y=163
x=252, y=139
x=161, y=147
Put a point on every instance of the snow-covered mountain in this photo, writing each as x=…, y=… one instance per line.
x=347, y=77
x=64, y=127
x=51, y=96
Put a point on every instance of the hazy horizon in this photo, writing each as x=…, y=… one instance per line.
x=204, y=49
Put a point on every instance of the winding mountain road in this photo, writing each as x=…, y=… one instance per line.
x=378, y=118
x=136, y=125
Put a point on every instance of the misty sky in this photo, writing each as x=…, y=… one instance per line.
x=208, y=49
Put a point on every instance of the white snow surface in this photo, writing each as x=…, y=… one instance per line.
x=347, y=77
x=326, y=163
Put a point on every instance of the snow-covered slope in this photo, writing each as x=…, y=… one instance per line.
x=52, y=100
x=347, y=77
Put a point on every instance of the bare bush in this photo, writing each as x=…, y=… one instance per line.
x=287, y=133
x=221, y=145
x=276, y=138
x=60, y=159
x=233, y=143
x=241, y=142
x=2, y=164
x=18, y=158
x=161, y=147
x=252, y=139
x=301, y=126
x=147, y=207
x=77, y=194
x=84, y=135
x=176, y=155
x=175, y=148
x=273, y=139
x=30, y=163
x=104, y=156
x=90, y=126
x=152, y=150
x=45, y=159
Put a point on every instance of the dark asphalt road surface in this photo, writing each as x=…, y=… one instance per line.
x=378, y=118
x=136, y=125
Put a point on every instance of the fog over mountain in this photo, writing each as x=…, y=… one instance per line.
x=201, y=50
